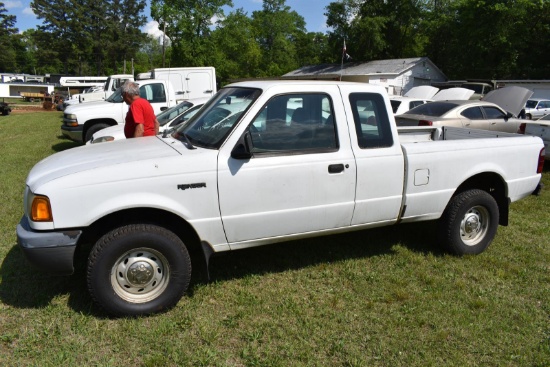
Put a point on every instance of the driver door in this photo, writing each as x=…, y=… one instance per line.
x=301, y=177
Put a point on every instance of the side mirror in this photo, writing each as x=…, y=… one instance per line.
x=508, y=115
x=242, y=149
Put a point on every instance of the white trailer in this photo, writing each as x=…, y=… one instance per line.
x=188, y=82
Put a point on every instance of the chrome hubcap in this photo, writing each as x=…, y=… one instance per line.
x=473, y=226
x=140, y=275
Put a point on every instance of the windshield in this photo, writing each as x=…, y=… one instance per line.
x=531, y=104
x=477, y=88
x=211, y=125
x=165, y=116
x=116, y=97
x=432, y=109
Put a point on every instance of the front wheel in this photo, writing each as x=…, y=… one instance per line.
x=138, y=270
x=469, y=222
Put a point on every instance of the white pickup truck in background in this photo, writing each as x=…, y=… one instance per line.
x=81, y=121
x=264, y=162
x=167, y=88
x=95, y=94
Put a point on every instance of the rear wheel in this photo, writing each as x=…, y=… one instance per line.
x=138, y=270
x=469, y=222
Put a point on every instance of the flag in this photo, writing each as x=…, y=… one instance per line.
x=345, y=55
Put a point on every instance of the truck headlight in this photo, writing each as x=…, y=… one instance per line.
x=70, y=120
x=41, y=210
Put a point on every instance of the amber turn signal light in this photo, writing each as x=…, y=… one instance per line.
x=41, y=210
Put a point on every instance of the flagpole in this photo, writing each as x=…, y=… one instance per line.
x=342, y=62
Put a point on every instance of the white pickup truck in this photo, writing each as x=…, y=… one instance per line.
x=264, y=162
x=82, y=120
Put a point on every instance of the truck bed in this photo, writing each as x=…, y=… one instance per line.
x=415, y=134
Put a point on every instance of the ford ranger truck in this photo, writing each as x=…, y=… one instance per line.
x=264, y=162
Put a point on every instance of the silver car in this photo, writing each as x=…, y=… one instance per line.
x=535, y=108
x=496, y=112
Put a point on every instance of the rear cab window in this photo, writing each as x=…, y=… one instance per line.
x=371, y=120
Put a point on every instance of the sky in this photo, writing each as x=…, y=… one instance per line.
x=312, y=11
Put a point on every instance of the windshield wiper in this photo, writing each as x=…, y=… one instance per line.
x=186, y=141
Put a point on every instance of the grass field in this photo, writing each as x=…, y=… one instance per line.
x=384, y=297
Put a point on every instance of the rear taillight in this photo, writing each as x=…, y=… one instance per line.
x=541, y=160
x=521, y=129
x=425, y=123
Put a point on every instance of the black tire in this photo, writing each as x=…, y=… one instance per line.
x=6, y=112
x=94, y=129
x=469, y=222
x=138, y=269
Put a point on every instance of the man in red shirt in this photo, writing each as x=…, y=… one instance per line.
x=140, y=119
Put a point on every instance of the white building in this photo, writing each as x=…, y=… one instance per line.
x=397, y=75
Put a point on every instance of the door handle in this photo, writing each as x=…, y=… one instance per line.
x=336, y=168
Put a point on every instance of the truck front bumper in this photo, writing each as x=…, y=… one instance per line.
x=49, y=251
x=73, y=133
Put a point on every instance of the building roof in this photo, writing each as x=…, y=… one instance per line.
x=376, y=67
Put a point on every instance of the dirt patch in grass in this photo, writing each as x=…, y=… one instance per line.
x=20, y=109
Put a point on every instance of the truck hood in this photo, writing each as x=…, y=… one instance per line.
x=453, y=94
x=91, y=157
x=88, y=106
x=422, y=92
x=511, y=99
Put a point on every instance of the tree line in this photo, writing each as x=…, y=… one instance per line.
x=466, y=39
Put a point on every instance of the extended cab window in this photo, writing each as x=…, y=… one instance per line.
x=371, y=120
x=294, y=123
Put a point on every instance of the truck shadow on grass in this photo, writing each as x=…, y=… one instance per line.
x=25, y=287
x=64, y=144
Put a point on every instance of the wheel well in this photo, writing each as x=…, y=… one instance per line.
x=170, y=221
x=91, y=123
x=493, y=184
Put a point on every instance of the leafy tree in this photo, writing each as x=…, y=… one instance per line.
x=149, y=55
x=188, y=25
x=90, y=36
x=278, y=30
x=377, y=29
x=533, y=59
x=237, y=54
x=124, y=35
x=8, y=40
x=312, y=48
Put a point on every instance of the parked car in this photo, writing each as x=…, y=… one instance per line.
x=480, y=89
x=400, y=105
x=541, y=128
x=488, y=114
x=536, y=108
x=167, y=119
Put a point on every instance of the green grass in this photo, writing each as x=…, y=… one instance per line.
x=384, y=297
